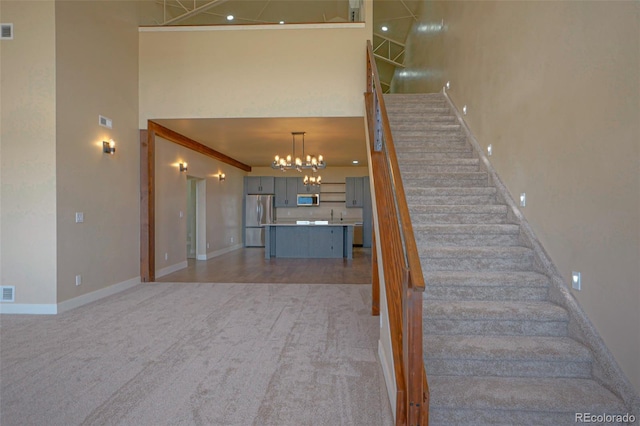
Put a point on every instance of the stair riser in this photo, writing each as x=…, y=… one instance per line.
x=449, y=182
x=469, y=240
x=461, y=151
x=470, y=218
x=493, y=327
x=433, y=135
x=407, y=168
x=451, y=199
x=415, y=120
x=506, y=368
x=432, y=156
x=485, y=293
x=409, y=145
x=507, y=263
x=419, y=130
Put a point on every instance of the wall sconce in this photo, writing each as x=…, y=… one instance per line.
x=221, y=176
x=109, y=147
x=183, y=167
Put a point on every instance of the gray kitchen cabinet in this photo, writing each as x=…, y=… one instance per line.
x=307, y=189
x=259, y=184
x=354, y=192
x=326, y=242
x=309, y=241
x=286, y=191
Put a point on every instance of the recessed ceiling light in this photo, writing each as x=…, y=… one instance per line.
x=355, y=162
x=229, y=17
x=385, y=28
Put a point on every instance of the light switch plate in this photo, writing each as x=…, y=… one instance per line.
x=523, y=200
x=576, y=280
x=79, y=217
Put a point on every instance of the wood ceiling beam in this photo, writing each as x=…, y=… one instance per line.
x=182, y=140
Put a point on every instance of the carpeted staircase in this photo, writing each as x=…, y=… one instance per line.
x=496, y=350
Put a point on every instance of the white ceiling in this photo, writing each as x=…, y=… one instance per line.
x=255, y=141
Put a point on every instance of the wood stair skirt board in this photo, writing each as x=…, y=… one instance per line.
x=499, y=347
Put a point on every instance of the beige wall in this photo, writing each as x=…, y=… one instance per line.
x=554, y=87
x=277, y=72
x=28, y=146
x=223, y=201
x=97, y=73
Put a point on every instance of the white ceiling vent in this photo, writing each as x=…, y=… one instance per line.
x=6, y=31
x=8, y=293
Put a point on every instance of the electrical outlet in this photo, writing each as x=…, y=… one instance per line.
x=231, y=239
x=489, y=150
x=523, y=200
x=181, y=214
x=576, y=280
x=79, y=217
x=166, y=256
x=78, y=280
x=464, y=110
x=448, y=85
x=207, y=245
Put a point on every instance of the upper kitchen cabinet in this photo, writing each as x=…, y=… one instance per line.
x=259, y=184
x=307, y=189
x=286, y=190
x=355, y=190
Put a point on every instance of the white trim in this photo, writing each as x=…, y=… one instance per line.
x=76, y=302
x=332, y=25
x=170, y=269
x=220, y=252
x=28, y=308
x=388, y=378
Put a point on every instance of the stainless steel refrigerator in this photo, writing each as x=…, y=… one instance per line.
x=258, y=212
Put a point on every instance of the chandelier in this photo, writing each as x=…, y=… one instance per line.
x=291, y=162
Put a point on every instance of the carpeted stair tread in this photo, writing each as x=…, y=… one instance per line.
x=433, y=155
x=504, y=310
x=468, y=235
x=444, y=179
x=406, y=144
x=460, y=214
x=527, y=394
x=467, y=228
x=520, y=348
x=460, y=191
x=493, y=258
x=484, y=279
x=487, y=286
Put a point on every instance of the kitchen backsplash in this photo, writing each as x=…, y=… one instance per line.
x=322, y=212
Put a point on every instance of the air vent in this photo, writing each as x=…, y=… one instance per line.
x=8, y=293
x=105, y=122
x=6, y=31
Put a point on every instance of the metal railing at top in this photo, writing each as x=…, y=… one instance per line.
x=400, y=262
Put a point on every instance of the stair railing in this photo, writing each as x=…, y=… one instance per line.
x=401, y=270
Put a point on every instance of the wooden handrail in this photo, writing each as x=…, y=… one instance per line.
x=401, y=269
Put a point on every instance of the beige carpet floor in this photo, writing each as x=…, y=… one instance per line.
x=198, y=354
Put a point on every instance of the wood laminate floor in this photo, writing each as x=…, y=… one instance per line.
x=248, y=265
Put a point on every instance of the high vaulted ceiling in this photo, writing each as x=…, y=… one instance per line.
x=255, y=141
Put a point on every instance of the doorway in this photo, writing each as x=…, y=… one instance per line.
x=196, y=244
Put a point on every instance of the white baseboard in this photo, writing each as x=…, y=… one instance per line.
x=76, y=302
x=28, y=308
x=220, y=252
x=388, y=378
x=170, y=269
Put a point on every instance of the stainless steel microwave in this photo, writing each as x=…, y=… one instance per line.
x=308, y=199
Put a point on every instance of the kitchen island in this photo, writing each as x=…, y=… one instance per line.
x=309, y=239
